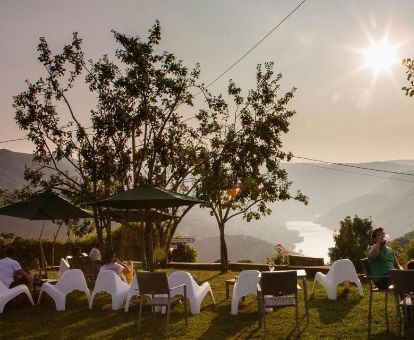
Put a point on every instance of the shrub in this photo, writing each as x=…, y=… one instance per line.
x=245, y=261
x=184, y=253
x=352, y=240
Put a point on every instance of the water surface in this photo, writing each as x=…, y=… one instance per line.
x=316, y=238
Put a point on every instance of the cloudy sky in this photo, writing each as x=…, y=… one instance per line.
x=344, y=57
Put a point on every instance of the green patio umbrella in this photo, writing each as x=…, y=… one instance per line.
x=147, y=197
x=45, y=206
x=134, y=215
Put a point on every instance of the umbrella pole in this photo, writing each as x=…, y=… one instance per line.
x=42, y=254
x=143, y=257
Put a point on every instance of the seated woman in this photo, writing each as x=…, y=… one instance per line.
x=111, y=262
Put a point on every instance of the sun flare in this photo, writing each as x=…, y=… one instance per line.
x=380, y=56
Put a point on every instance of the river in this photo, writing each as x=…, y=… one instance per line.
x=316, y=238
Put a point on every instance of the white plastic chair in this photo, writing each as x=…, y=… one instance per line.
x=109, y=282
x=341, y=270
x=133, y=290
x=245, y=284
x=7, y=294
x=195, y=293
x=64, y=266
x=71, y=280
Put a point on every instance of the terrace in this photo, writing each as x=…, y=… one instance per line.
x=344, y=318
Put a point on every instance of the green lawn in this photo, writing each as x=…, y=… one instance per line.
x=345, y=318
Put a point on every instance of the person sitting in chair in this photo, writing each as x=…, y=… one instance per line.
x=11, y=273
x=111, y=262
x=381, y=258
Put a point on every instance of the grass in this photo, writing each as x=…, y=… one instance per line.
x=345, y=318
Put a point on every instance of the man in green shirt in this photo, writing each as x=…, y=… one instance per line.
x=381, y=258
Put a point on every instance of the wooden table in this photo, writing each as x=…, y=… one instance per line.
x=229, y=283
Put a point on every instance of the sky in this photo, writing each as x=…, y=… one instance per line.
x=346, y=111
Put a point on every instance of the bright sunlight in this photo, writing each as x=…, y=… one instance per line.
x=380, y=56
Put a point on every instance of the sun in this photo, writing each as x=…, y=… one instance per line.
x=380, y=56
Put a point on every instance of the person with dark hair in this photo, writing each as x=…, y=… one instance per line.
x=381, y=258
x=11, y=273
x=111, y=262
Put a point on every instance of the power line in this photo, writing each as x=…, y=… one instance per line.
x=11, y=140
x=224, y=72
x=357, y=173
x=354, y=166
x=18, y=139
x=257, y=44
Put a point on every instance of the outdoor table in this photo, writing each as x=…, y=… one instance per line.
x=229, y=282
x=37, y=282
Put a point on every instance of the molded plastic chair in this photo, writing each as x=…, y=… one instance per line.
x=8, y=294
x=195, y=293
x=403, y=282
x=71, y=280
x=85, y=264
x=245, y=284
x=374, y=289
x=64, y=266
x=277, y=290
x=133, y=291
x=109, y=282
x=156, y=284
x=341, y=270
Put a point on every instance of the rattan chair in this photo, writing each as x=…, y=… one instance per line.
x=374, y=289
x=403, y=282
x=156, y=285
x=277, y=290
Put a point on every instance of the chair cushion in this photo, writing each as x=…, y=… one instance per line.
x=276, y=301
x=161, y=301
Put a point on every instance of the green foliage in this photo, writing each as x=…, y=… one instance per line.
x=280, y=257
x=352, y=240
x=409, y=250
x=137, y=134
x=241, y=171
x=245, y=261
x=184, y=253
x=409, y=64
x=28, y=249
x=400, y=253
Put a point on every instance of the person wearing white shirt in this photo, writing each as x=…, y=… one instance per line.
x=95, y=254
x=11, y=273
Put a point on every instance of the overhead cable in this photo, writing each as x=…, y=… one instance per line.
x=354, y=166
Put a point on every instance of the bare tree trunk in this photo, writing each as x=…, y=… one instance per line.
x=43, y=259
x=55, y=235
x=223, y=250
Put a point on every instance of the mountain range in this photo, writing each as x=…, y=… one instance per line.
x=334, y=191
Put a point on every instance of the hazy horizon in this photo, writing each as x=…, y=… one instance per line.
x=345, y=113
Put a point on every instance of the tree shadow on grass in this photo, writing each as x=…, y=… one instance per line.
x=332, y=311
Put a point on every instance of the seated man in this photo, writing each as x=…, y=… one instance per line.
x=11, y=273
x=381, y=258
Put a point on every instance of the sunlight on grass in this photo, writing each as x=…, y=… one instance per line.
x=345, y=318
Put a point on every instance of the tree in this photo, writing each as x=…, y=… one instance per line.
x=241, y=172
x=137, y=133
x=409, y=64
x=352, y=240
